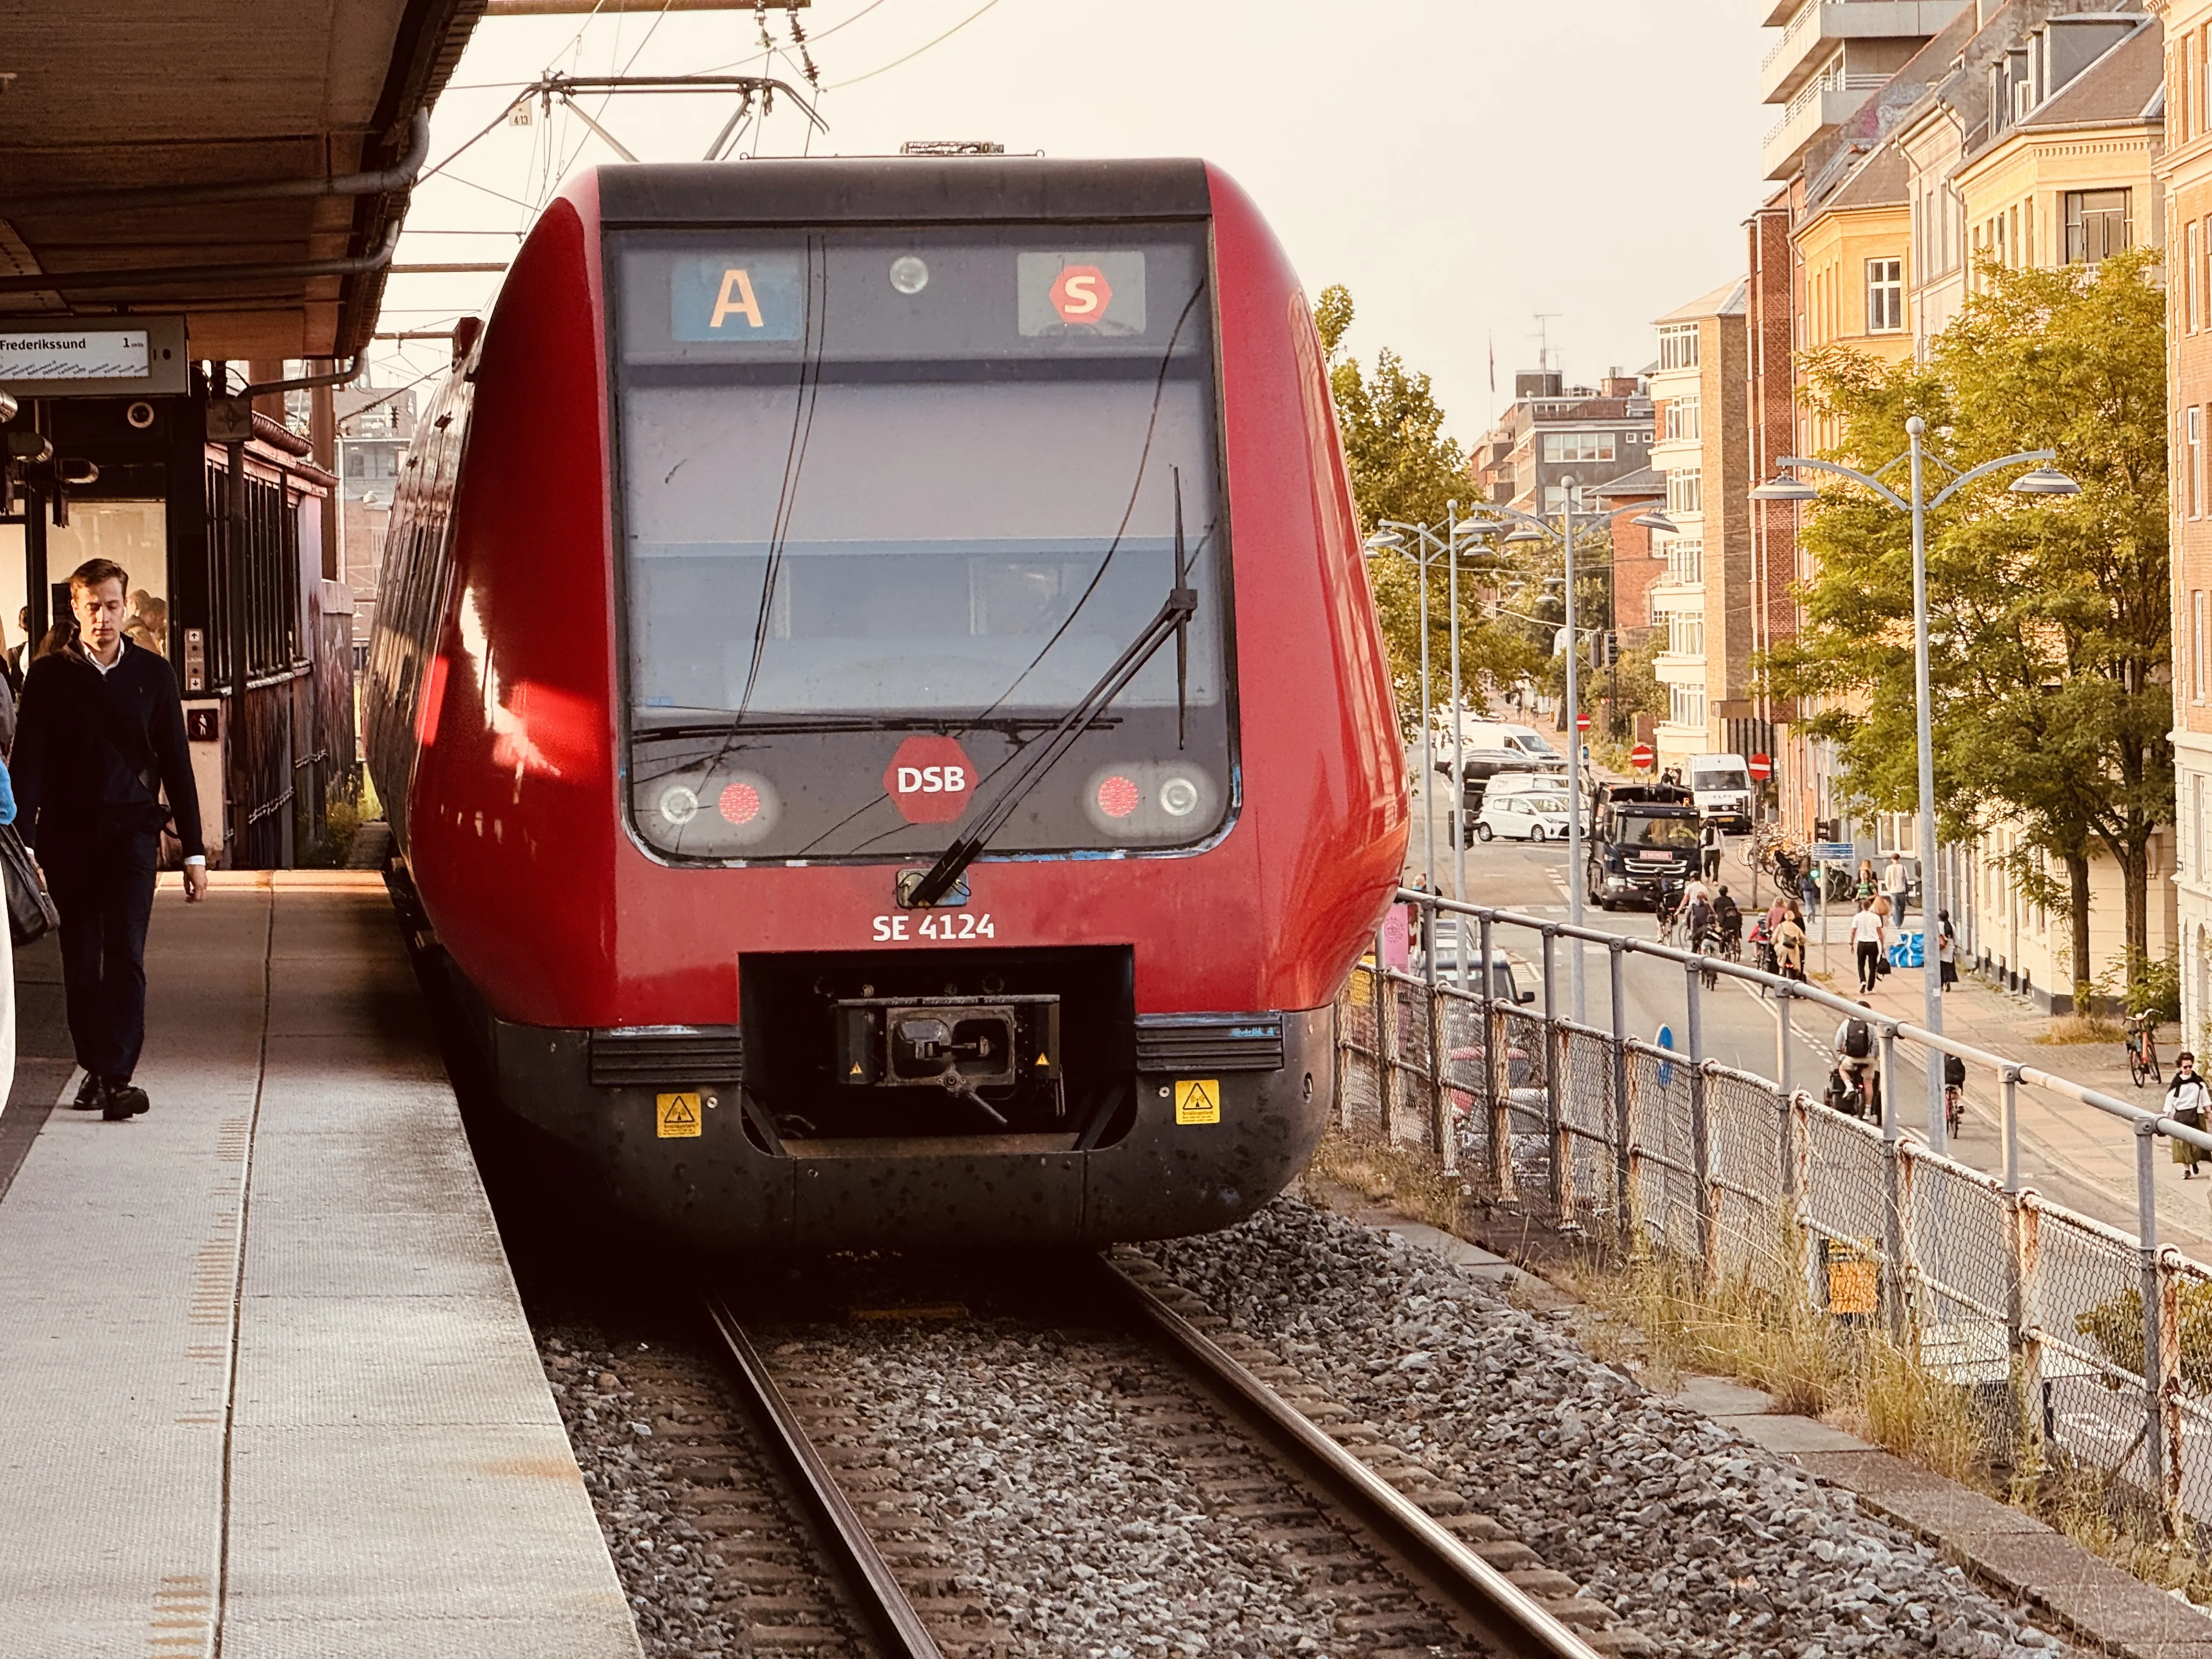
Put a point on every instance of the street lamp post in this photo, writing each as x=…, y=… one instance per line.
x=2044, y=480
x=1534, y=529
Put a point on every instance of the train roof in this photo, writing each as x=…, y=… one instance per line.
x=900, y=189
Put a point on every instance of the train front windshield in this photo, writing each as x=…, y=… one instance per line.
x=892, y=504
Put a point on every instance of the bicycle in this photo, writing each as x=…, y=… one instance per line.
x=1954, y=1095
x=2142, y=1049
x=1709, y=952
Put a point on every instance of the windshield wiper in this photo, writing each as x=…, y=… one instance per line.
x=1173, y=619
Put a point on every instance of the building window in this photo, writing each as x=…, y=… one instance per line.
x=2096, y=225
x=1685, y=559
x=2196, y=825
x=2196, y=644
x=1683, y=422
x=1686, y=634
x=1678, y=346
x=1687, y=705
x=1658, y=617
x=1685, y=491
x=2194, y=423
x=1578, y=446
x=1885, y=295
x=2188, y=282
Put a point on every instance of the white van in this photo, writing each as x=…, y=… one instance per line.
x=1524, y=740
x=1720, y=785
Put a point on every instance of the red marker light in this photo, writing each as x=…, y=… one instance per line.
x=1117, y=796
x=740, y=803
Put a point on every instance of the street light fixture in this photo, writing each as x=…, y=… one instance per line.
x=2045, y=480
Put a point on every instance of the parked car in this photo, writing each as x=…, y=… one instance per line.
x=1456, y=948
x=1523, y=743
x=1524, y=817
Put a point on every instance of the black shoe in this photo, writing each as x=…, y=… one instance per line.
x=91, y=1094
x=124, y=1100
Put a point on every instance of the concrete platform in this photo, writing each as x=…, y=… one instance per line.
x=265, y=1385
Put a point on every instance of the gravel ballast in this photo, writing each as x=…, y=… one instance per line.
x=1707, y=1545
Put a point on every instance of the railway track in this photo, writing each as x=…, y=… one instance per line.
x=1408, y=1582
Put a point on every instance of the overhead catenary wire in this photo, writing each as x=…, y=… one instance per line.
x=918, y=50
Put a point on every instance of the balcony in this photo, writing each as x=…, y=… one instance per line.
x=1815, y=27
x=1813, y=115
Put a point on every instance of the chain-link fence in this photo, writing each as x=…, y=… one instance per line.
x=2047, y=1323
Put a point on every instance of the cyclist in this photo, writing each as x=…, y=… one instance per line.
x=1667, y=906
x=1855, y=1086
x=1729, y=917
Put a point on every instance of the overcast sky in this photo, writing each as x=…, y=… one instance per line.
x=1462, y=164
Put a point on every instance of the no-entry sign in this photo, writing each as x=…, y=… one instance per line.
x=1640, y=757
x=1761, y=769
x=1581, y=722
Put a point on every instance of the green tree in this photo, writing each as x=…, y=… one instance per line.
x=2050, y=633
x=1405, y=470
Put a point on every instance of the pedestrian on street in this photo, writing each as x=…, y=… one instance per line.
x=1866, y=884
x=1897, y=886
x=1946, y=949
x=2186, y=1101
x=1711, y=841
x=1865, y=940
x=100, y=741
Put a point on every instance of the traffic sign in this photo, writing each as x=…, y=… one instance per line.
x=1640, y=757
x=1666, y=1067
x=1832, y=852
x=1761, y=769
x=1581, y=722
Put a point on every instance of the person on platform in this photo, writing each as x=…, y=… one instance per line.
x=101, y=741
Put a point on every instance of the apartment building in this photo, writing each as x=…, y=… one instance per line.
x=1704, y=600
x=2021, y=132
x=2183, y=172
x=374, y=425
x=1553, y=432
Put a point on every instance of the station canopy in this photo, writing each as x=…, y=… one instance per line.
x=242, y=163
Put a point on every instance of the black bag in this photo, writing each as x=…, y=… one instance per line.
x=1882, y=967
x=31, y=913
x=1954, y=1071
x=1858, y=1040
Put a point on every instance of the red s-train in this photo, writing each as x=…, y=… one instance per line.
x=879, y=701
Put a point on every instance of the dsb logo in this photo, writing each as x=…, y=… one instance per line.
x=930, y=780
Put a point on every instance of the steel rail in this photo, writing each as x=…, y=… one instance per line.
x=891, y=1617
x=1506, y=1616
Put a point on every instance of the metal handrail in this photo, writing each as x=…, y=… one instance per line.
x=2018, y=1071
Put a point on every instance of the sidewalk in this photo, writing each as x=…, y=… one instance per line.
x=2071, y=1153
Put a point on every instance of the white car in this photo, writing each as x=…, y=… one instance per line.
x=1524, y=817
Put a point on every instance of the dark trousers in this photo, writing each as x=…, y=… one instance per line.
x=1869, y=954
x=103, y=885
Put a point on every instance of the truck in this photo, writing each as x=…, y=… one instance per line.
x=1720, y=786
x=1643, y=836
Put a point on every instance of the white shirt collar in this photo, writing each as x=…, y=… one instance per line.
x=105, y=668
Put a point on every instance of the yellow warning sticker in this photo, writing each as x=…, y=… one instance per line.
x=675, y=1116
x=1198, y=1100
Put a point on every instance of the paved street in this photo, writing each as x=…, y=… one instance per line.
x=2072, y=1154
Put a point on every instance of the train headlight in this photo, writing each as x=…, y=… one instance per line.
x=909, y=275
x=1159, y=802
x=739, y=803
x=678, y=805
x=1117, y=796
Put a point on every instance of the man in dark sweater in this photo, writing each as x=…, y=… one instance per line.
x=102, y=738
